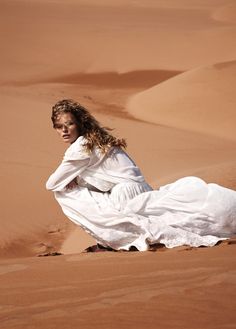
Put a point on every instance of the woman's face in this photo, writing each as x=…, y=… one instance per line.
x=67, y=127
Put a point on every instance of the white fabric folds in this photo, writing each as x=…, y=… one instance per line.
x=119, y=209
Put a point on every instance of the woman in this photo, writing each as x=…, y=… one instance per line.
x=101, y=189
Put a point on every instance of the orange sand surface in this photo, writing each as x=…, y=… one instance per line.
x=162, y=73
x=169, y=289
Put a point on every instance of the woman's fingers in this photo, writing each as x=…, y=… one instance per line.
x=71, y=185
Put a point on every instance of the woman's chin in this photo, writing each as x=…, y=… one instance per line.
x=67, y=140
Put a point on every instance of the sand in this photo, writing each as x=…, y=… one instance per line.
x=162, y=74
x=169, y=289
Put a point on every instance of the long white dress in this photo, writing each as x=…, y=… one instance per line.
x=114, y=204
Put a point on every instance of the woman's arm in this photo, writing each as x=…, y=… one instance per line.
x=75, y=161
x=66, y=173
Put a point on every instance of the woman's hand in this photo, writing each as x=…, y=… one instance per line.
x=72, y=184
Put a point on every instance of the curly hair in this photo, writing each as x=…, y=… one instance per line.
x=89, y=127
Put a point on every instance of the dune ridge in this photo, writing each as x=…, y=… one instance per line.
x=201, y=100
x=225, y=13
x=132, y=79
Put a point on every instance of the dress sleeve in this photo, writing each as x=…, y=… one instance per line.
x=75, y=161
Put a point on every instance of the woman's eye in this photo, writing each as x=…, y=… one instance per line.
x=66, y=125
x=69, y=124
x=58, y=126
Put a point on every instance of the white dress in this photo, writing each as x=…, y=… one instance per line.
x=114, y=204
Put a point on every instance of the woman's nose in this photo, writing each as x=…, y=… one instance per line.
x=64, y=128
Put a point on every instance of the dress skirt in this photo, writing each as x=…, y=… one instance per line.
x=186, y=212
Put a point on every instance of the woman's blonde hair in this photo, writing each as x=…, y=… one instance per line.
x=89, y=127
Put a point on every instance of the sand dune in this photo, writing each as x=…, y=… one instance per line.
x=200, y=100
x=116, y=290
x=159, y=57
x=58, y=37
x=225, y=13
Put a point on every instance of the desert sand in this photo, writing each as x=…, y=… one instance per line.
x=163, y=75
